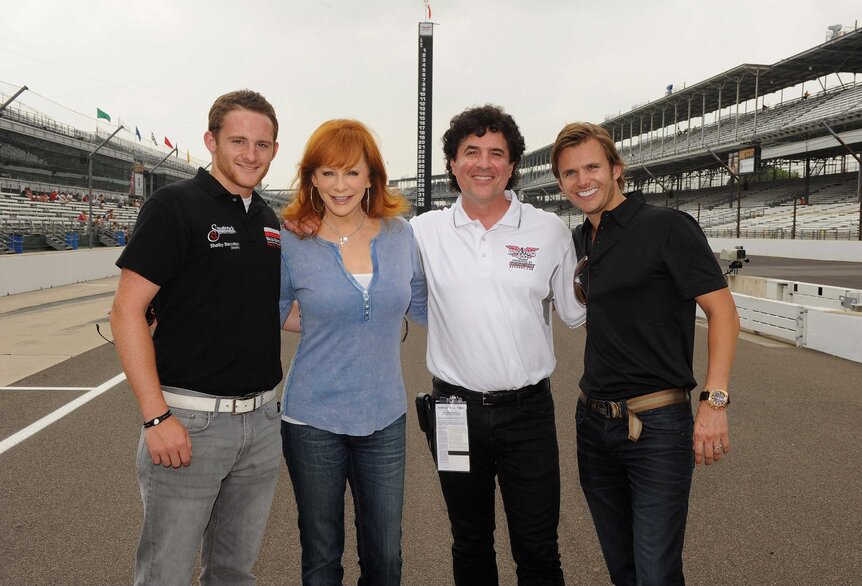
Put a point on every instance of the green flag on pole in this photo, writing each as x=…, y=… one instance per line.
x=100, y=114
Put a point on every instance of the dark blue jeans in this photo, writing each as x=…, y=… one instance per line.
x=320, y=463
x=516, y=443
x=638, y=491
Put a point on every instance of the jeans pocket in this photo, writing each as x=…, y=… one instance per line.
x=193, y=421
x=539, y=405
x=271, y=410
x=673, y=420
x=580, y=413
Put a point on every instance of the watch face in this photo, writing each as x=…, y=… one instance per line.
x=719, y=398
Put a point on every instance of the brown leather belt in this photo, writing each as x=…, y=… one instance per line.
x=630, y=407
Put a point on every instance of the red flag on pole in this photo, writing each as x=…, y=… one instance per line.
x=168, y=143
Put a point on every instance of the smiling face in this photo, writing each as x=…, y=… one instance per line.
x=588, y=179
x=342, y=190
x=482, y=167
x=242, y=150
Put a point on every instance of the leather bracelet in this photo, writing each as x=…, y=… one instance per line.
x=156, y=420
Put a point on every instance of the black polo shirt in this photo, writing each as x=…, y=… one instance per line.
x=646, y=266
x=218, y=268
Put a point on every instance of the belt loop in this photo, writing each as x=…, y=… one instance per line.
x=635, y=426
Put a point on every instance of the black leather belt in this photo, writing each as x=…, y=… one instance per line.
x=492, y=398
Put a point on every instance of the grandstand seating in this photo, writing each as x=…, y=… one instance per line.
x=56, y=224
x=832, y=210
x=36, y=149
x=777, y=118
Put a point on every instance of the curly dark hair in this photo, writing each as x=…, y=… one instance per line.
x=478, y=121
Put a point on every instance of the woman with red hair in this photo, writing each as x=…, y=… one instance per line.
x=343, y=422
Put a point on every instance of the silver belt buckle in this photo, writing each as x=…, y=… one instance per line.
x=245, y=407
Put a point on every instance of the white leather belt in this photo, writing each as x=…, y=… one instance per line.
x=234, y=406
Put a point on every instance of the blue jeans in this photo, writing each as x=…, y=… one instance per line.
x=222, y=498
x=320, y=463
x=516, y=443
x=638, y=491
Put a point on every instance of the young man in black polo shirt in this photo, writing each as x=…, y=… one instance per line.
x=642, y=271
x=206, y=253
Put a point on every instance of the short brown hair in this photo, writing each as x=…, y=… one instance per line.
x=340, y=144
x=246, y=100
x=578, y=133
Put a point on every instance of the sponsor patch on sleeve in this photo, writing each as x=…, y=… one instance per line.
x=273, y=237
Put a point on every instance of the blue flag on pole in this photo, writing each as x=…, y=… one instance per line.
x=138, y=133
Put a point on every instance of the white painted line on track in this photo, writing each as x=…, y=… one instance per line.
x=37, y=426
x=46, y=388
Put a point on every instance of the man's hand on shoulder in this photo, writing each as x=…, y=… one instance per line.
x=307, y=227
x=169, y=443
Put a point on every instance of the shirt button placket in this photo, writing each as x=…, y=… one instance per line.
x=484, y=254
x=366, y=305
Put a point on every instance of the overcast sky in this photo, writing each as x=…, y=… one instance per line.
x=159, y=64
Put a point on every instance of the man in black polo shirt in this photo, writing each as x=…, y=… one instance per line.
x=643, y=270
x=206, y=253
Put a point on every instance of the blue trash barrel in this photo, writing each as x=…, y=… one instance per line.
x=72, y=240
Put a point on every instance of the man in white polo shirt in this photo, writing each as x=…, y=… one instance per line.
x=496, y=269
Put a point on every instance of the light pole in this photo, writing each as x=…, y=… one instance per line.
x=159, y=164
x=738, y=190
x=90, y=182
x=667, y=191
x=859, y=178
x=12, y=99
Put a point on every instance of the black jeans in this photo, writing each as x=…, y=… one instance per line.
x=638, y=491
x=516, y=443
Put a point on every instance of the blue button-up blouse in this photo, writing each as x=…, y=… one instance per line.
x=346, y=374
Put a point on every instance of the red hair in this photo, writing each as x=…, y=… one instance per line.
x=340, y=144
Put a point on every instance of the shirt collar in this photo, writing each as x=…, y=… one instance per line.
x=215, y=189
x=624, y=212
x=212, y=186
x=512, y=217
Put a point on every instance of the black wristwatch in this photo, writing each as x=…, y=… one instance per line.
x=716, y=398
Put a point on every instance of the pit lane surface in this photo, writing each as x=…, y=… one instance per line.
x=782, y=508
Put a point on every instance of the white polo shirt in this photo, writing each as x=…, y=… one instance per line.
x=490, y=294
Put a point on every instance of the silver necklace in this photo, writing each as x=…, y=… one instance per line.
x=343, y=240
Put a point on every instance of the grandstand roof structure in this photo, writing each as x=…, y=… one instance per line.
x=690, y=130
x=749, y=81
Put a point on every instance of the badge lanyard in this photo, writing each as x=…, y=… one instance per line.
x=453, y=446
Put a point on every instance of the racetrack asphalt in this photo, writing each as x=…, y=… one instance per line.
x=784, y=507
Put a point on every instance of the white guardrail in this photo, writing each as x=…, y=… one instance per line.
x=833, y=331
